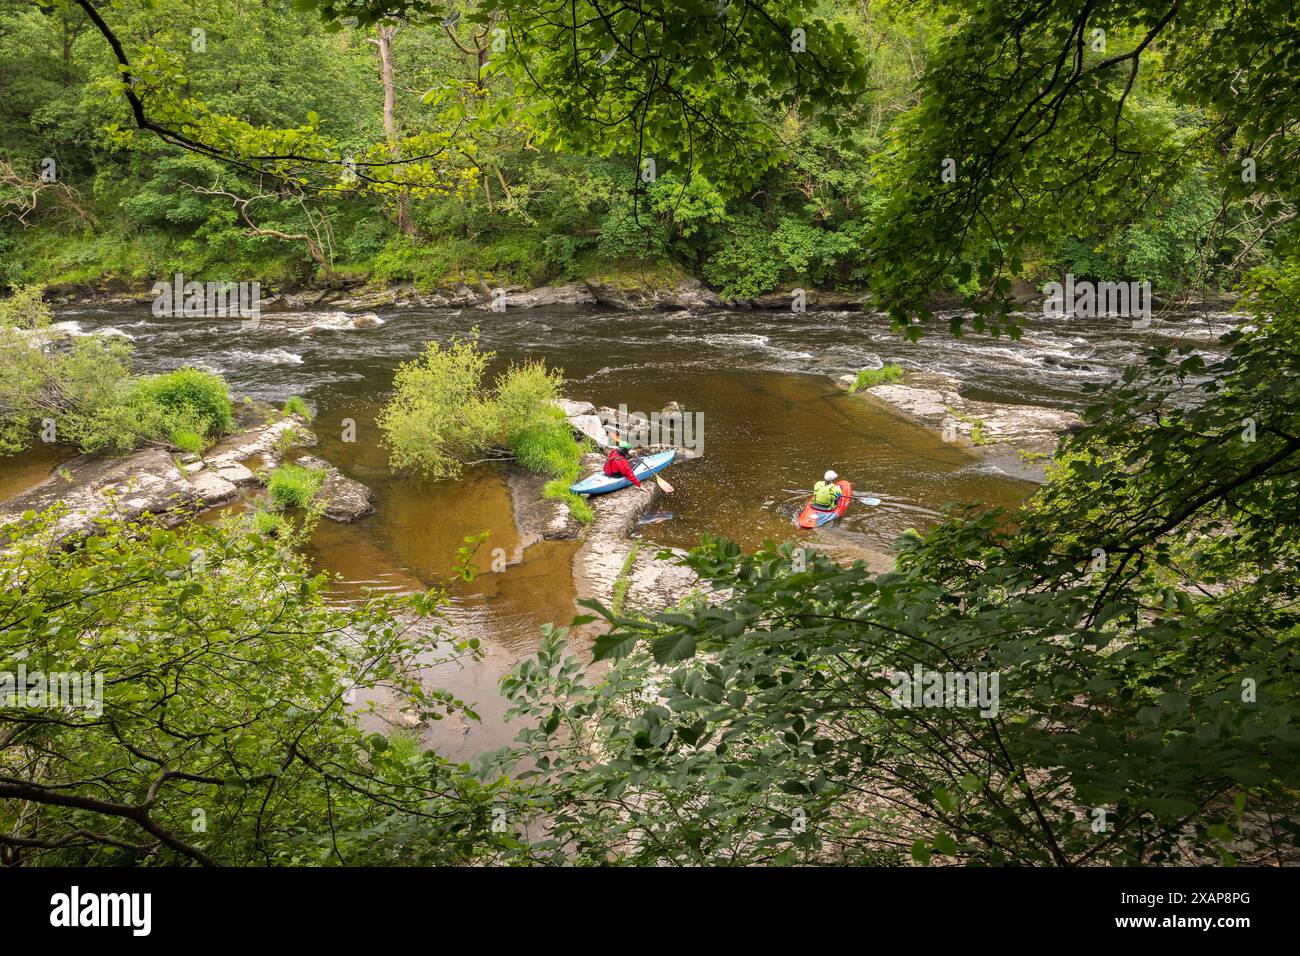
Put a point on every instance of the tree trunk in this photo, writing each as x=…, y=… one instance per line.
x=386, y=30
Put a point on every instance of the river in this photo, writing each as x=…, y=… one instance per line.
x=773, y=419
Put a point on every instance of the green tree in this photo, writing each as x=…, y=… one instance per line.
x=1038, y=122
x=219, y=721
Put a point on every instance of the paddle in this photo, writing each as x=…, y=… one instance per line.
x=857, y=496
x=663, y=485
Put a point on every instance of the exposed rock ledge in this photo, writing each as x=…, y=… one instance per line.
x=653, y=584
x=593, y=422
x=159, y=483
x=605, y=543
x=345, y=500
x=933, y=399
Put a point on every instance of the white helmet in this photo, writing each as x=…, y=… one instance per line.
x=830, y=476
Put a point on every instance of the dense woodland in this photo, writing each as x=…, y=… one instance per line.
x=1142, y=610
x=518, y=188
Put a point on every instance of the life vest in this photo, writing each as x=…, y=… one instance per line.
x=615, y=455
x=825, y=495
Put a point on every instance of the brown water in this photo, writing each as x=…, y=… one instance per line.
x=773, y=419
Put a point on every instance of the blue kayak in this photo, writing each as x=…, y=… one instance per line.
x=599, y=484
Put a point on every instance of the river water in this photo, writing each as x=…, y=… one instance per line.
x=764, y=382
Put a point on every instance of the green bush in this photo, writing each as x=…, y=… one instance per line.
x=439, y=417
x=199, y=398
x=868, y=377
x=525, y=396
x=517, y=257
x=548, y=447
x=560, y=255
x=746, y=263
x=426, y=264
x=294, y=485
x=79, y=387
x=624, y=235
x=269, y=523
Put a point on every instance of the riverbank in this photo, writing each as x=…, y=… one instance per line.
x=670, y=289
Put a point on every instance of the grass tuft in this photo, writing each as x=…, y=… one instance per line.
x=868, y=377
x=558, y=490
x=294, y=485
x=547, y=447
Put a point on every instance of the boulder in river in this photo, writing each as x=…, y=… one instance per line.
x=591, y=427
x=601, y=424
x=571, y=408
x=345, y=500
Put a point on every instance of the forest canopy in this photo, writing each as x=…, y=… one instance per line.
x=902, y=149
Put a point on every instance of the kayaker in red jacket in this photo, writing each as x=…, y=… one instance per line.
x=617, y=465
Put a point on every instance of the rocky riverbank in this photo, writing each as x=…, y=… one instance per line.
x=671, y=290
x=678, y=294
x=620, y=294
x=173, y=488
x=1017, y=439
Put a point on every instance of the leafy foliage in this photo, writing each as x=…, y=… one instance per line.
x=1140, y=616
x=438, y=416
x=188, y=393
x=1083, y=132
x=441, y=414
x=221, y=732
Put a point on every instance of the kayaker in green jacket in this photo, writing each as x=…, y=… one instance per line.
x=826, y=494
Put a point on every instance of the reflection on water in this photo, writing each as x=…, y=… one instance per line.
x=22, y=471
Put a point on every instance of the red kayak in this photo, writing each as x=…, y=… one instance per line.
x=812, y=517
